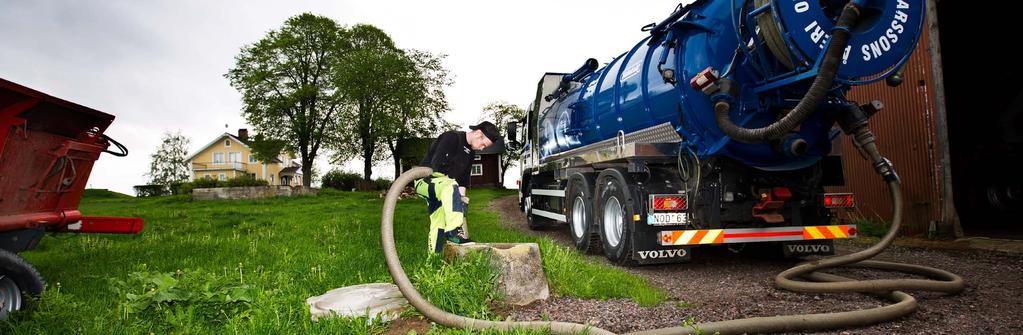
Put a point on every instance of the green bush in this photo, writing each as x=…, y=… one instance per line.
x=207, y=182
x=869, y=227
x=382, y=184
x=151, y=190
x=244, y=181
x=342, y=180
x=181, y=188
x=365, y=185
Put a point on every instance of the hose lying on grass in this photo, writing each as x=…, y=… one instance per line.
x=944, y=281
x=940, y=280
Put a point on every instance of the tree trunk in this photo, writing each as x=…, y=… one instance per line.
x=397, y=167
x=307, y=173
x=500, y=176
x=307, y=167
x=367, y=158
x=393, y=146
x=367, y=166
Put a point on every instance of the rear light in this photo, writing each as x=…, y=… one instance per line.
x=839, y=200
x=673, y=202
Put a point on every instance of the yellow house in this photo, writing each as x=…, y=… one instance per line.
x=229, y=156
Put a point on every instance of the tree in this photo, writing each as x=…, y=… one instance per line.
x=265, y=149
x=500, y=113
x=288, y=84
x=170, y=163
x=419, y=111
x=393, y=94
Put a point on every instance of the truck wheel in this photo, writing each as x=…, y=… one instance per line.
x=614, y=216
x=580, y=215
x=18, y=280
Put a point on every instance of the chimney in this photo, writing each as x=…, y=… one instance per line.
x=243, y=134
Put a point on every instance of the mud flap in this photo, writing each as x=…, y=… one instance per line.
x=662, y=255
x=808, y=248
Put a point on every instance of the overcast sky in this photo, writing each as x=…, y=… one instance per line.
x=158, y=65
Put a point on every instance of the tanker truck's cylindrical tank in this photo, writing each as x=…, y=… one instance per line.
x=629, y=93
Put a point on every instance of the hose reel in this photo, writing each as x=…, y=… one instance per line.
x=788, y=38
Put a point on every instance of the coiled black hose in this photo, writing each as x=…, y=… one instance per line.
x=813, y=98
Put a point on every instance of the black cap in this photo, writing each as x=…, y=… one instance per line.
x=489, y=130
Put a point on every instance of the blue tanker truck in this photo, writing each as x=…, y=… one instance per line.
x=716, y=129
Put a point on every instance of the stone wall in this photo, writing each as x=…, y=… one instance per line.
x=251, y=192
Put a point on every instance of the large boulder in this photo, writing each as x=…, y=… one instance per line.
x=382, y=300
x=521, y=279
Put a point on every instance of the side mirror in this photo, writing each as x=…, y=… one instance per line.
x=513, y=129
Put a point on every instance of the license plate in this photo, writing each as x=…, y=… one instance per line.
x=666, y=219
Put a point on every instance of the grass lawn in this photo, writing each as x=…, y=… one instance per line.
x=246, y=267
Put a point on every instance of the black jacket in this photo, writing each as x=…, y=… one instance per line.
x=451, y=155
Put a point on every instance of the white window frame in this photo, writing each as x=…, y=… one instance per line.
x=234, y=157
x=222, y=176
x=271, y=179
x=477, y=158
x=252, y=159
x=227, y=142
x=205, y=175
x=473, y=171
x=220, y=155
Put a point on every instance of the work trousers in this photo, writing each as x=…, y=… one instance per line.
x=447, y=211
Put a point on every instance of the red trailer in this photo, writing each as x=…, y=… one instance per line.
x=47, y=150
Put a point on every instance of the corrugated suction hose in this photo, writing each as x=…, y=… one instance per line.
x=941, y=281
x=814, y=95
x=821, y=283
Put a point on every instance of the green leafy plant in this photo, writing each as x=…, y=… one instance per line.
x=206, y=183
x=168, y=293
x=382, y=184
x=181, y=188
x=154, y=190
x=244, y=181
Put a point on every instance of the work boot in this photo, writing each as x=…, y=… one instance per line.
x=458, y=236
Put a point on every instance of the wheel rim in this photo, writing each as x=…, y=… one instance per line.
x=578, y=216
x=613, y=221
x=10, y=296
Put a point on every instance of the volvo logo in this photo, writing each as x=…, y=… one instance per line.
x=655, y=254
x=811, y=248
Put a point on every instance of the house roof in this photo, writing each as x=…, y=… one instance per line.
x=244, y=143
x=291, y=170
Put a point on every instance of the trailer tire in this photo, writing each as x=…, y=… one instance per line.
x=580, y=215
x=614, y=216
x=18, y=281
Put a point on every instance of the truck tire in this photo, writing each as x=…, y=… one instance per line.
x=580, y=215
x=18, y=280
x=614, y=216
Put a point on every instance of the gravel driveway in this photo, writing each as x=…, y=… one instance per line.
x=721, y=285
